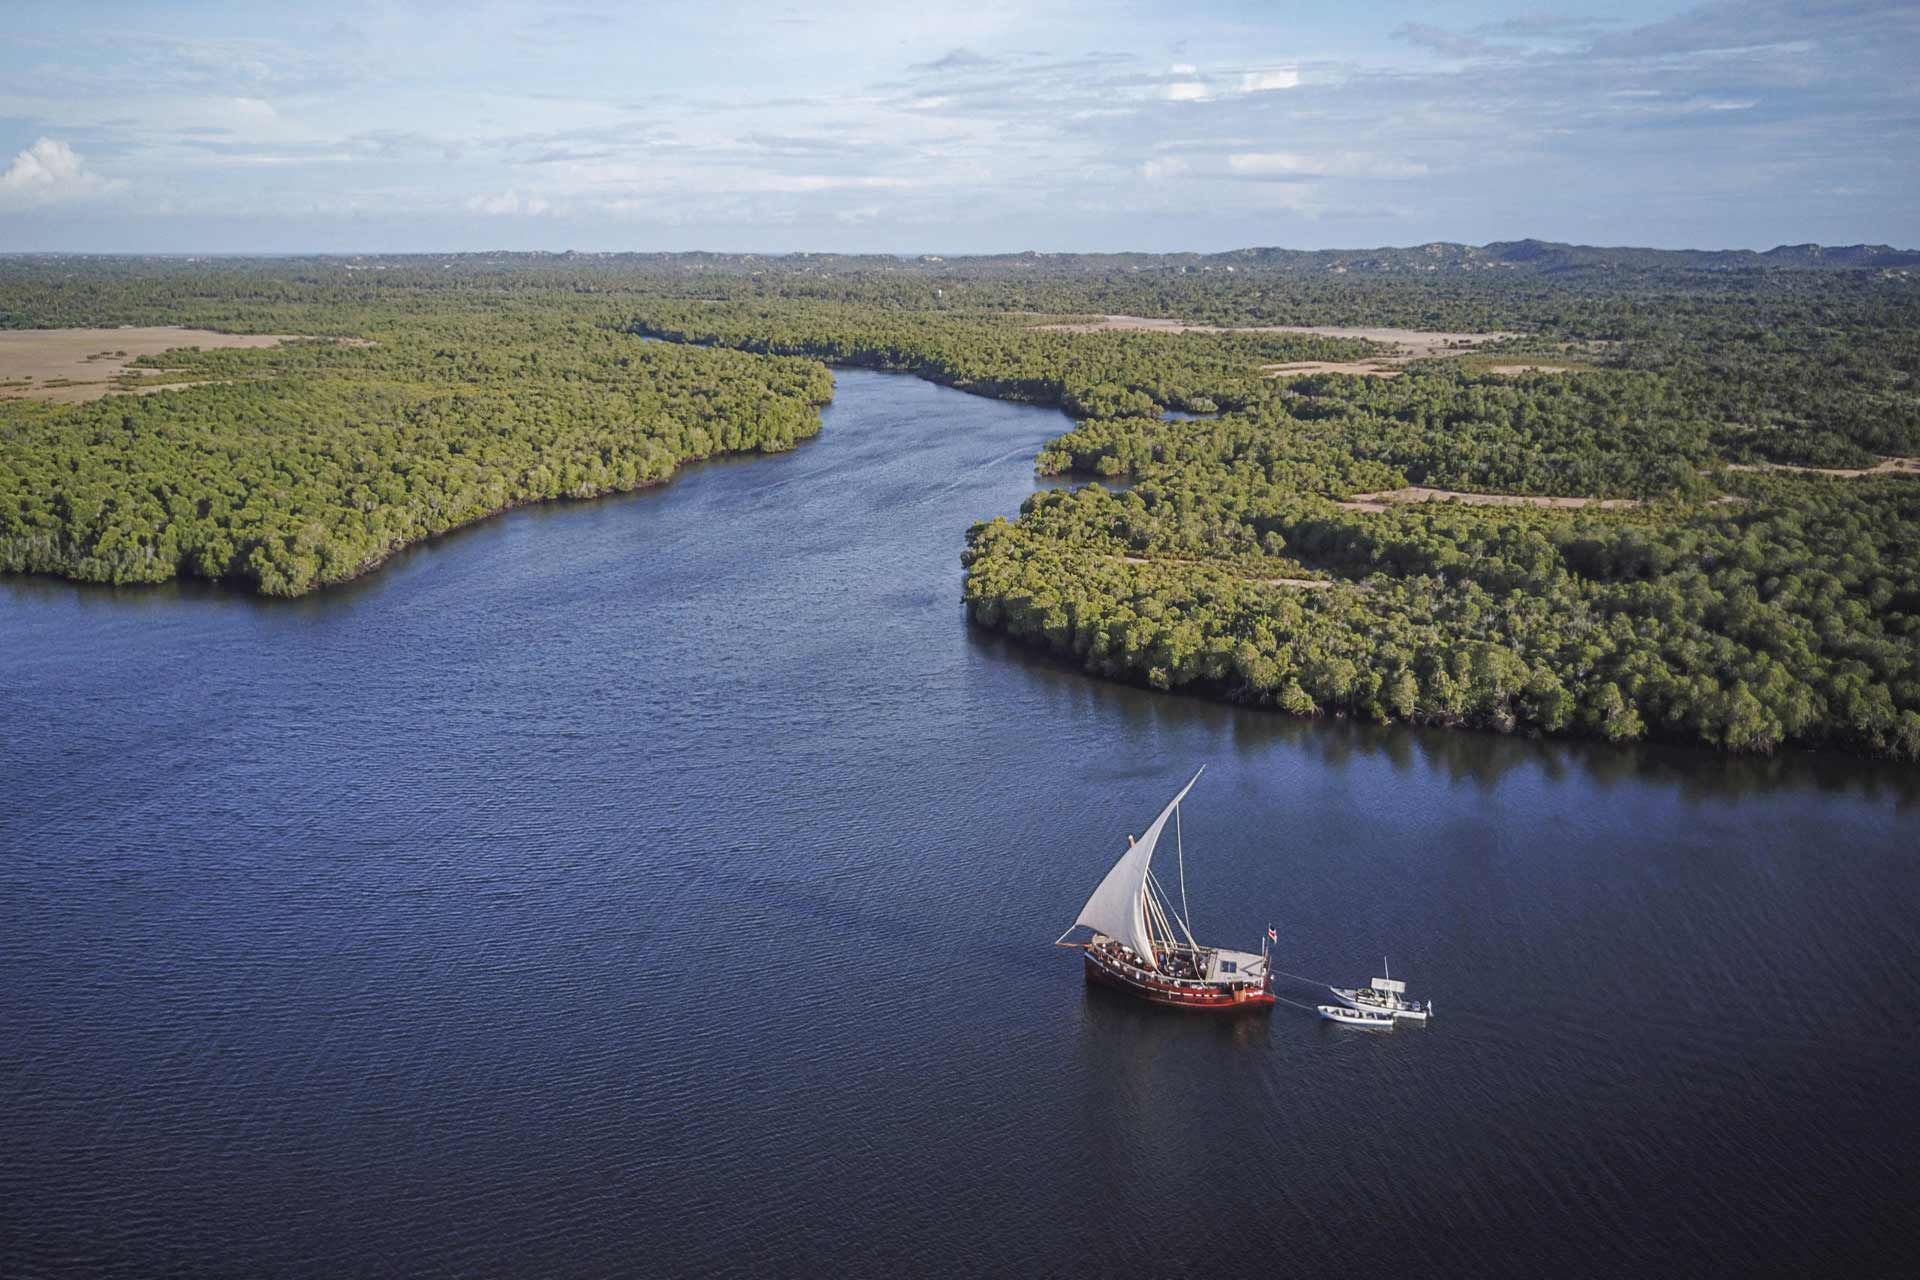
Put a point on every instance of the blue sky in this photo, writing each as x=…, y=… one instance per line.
x=984, y=126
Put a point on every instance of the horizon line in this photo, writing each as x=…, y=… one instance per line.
x=927, y=253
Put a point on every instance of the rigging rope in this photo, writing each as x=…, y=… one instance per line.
x=1312, y=982
x=1282, y=973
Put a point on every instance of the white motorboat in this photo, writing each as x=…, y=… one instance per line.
x=1356, y=1017
x=1386, y=996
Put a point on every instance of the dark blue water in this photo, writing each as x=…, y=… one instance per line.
x=666, y=885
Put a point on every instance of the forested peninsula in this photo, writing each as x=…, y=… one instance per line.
x=290, y=467
x=1624, y=493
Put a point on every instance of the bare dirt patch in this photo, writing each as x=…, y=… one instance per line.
x=1884, y=467
x=1411, y=344
x=1417, y=342
x=1357, y=368
x=1420, y=493
x=71, y=365
x=1407, y=344
x=1311, y=584
x=1512, y=369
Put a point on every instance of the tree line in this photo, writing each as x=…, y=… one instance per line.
x=1743, y=609
x=308, y=464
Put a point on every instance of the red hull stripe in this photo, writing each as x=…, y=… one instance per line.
x=1210, y=998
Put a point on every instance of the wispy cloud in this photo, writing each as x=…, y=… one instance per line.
x=1288, y=166
x=1452, y=44
x=1270, y=79
x=956, y=60
x=988, y=121
x=1548, y=26
x=509, y=204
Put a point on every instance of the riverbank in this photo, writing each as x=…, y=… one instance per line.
x=1510, y=611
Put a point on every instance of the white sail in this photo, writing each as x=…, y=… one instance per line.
x=1116, y=907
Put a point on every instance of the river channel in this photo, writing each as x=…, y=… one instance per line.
x=666, y=885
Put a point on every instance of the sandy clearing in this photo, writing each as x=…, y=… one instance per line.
x=1885, y=467
x=1420, y=493
x=1357, y=368
x=1413, y=344
x=1417, y=341
x=1311, y=584
x=1408, y=344
x=1526, y=368
x=71, y=365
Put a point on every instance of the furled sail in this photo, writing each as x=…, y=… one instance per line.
x=1116, y=908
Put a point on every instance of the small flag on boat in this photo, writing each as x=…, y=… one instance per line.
x=1271, y=934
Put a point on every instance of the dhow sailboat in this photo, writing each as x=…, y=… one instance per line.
x=1142, y=946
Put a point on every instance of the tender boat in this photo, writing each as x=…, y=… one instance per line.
x=1355, y=1017
x=1142, y=946
x=1384, y=995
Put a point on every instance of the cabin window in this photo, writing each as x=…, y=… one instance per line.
x=1229, y=966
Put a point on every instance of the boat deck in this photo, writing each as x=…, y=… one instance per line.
x=1105, y=965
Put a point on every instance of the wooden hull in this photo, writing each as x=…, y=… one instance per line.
x=1202, y=996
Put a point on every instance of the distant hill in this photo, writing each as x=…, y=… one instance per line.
x=1542, y=257
x=1549, y=256
x=1521, y=257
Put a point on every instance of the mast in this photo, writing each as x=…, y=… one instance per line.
x=1165, y=913
x=1156, y=925
x=1180, y=853
x=1158, y=913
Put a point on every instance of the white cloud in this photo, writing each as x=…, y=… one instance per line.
x=819, y=182
x=1186, y=91
x=1340, y=164
x=1273, y=164
x=1653, y=103
x=1272, y=78
x=252, y=111
x=271, y=159
x=50, y=172
x=1184, y=69
x=508, y=204
x=1303, y=198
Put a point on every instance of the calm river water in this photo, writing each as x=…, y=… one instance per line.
x=667, y=884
